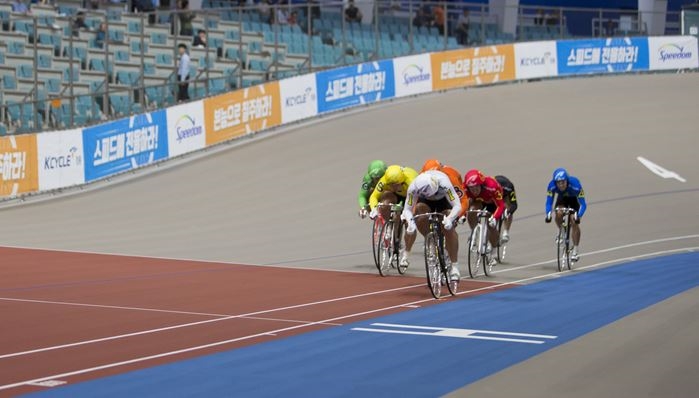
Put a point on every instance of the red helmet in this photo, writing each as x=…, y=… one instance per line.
x=473, y=178
x=432, y=164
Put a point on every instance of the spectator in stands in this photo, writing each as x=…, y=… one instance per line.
x=438, y=18
x=279, y=15
x=183, y=73
x=101, y=35
x=199, y=39
x=462, y=28
x=265, y=10
x=539, y=18
x=293, y=18
x=421, y=19
x=20, y=7
x=79, y=23
x=352, y=13
x=186, y=18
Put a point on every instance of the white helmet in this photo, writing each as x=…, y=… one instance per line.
x=427, y=185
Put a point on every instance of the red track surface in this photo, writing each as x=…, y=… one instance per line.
x=51, y=299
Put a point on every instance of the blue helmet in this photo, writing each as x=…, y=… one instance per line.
x=560, y=174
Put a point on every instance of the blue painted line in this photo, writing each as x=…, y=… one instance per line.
x=340, y=362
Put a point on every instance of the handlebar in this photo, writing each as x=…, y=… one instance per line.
x=479, y=213
x=566, y=210
x=393, y=206
x=430, y=215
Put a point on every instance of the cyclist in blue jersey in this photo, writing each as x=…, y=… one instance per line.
x=569, y=193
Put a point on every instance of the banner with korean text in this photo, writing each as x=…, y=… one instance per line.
x=472, y=66
x=612, y=55
x=355, y=85
x=242, y=112
x=124, y=144
x=18, y=165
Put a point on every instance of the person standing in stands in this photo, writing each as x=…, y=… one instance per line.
x=183, y=73
x=352, y=13
x=186, y=18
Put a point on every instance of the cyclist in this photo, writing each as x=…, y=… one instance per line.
x=484, y=193
x=432, y=191
x=454, y=178
x=392, y=189
x=569, y=193
x=508, y=191
x=375, y=170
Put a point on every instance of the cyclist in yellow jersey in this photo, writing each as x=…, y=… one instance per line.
x=392, y=189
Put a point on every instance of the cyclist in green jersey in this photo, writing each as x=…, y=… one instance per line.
x=375, y=171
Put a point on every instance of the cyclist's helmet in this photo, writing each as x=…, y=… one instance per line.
x=473, y=178
x=427, y=185
x=394, y=175
x=432, y=164
x=560, y=174
x=376, y=169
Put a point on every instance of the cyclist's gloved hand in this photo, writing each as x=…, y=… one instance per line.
x=374, y=213
x=462, y=219
x=448, y=223
x=576, y=218
x=411, y=227
x=363, y=213
x=548, y=217
x=493, y=222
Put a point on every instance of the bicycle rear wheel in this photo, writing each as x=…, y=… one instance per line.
x=502, y=247
x=474, y=257
x=375, y=240
x=386, y=248
x=452, y=285
x=432, y=265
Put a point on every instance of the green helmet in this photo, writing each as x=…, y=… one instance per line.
x=376, y=169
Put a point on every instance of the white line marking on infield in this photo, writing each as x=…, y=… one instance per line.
x=659, y=170
x=458, y=333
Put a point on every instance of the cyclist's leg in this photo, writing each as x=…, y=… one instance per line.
x=451, y=239
x=387, y=198
x=575, y=230
x=560, y=202
x=420, y=208
x=493, y=237
x=473, y=205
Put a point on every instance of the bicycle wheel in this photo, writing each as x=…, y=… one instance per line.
x=375, y=240
x=452, y=285
x=432, y=265
x=398, y=237
x=474, y=257
x=386, y=248
x=502, y=247
x=561, y=250
x=569, y=249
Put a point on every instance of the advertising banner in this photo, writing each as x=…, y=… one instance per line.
x=355, y=85
x=472, y=66
x=124, y=144
x=610, y=55
x=185, y=128
x=18, y=161
x=673, y=52
x=242, y=112
x=413, y=75
x=535, y=60
x=61, y=159
x=299, y=98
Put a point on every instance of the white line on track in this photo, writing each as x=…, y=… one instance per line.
x=276, y=331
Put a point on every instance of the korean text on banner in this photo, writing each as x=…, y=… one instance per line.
x=535, y=60
x=299, y=98
x=124, y=144
x=354, y=85
x=602, y=55
x=241, y=112
x=185, y=128
x=673, y=52
x=61, y=159
x=472, y=66
x=413, y=75
x=18, y=161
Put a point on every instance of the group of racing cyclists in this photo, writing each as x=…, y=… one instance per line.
x=440, y=188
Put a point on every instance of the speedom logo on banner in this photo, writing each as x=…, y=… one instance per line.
x=124, y=144
x=413, y=74
x=673, y=52
x=185, y=128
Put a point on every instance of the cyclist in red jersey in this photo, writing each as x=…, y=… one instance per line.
x=484, y=193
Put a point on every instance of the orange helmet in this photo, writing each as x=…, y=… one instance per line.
x=473, y=177
x=432, y=164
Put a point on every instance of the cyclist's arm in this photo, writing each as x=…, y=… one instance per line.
x=453, y=199
x=376, y=195
x=500, y=203
x=464, y=204
x=549, y=197
x=583, y=203
x=410, y=200
x=364, y=192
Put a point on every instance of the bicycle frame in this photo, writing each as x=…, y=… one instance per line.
x=435, y=272
x=478, y=245
x=563, y=246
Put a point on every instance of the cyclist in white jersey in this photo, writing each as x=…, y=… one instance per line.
x=432, y=191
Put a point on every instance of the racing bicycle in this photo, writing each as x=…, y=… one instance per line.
x=437, y=264
x=564, y=246
x=478, y=254
x=390, y=242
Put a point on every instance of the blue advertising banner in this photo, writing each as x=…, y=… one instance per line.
x=610, y=55
x=124, y=144
x=354, y=85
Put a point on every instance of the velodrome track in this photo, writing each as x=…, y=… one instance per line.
x=290, y=201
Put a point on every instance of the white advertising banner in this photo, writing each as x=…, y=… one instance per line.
x=186, y=131
x=299, y=98
x=413, y=75
x=60, y=157
x=535, y=60
x=673, y=52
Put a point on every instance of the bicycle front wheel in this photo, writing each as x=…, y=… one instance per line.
x=561, y=250
x=376, y=240
x=474, y=257
x=444, y=263
x=502, y=247
x=432, y=265
x=386, y=248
